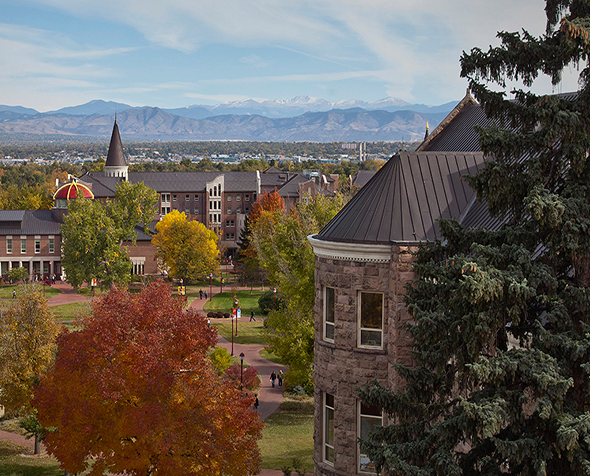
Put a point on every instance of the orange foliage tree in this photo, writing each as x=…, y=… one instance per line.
x=135, y=392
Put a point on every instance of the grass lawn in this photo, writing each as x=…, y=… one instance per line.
x=6, y=291
x=248, y=332
x=16, y=460
x=70, y=312
x=288, y=434
x=225, y=301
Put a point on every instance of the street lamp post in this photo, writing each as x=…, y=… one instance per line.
x=211, y=287
x=274, y=290
x=241, y=370
x=236, y=307
x=232, y=335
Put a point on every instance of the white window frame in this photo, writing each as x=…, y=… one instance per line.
x=52, y=244
x=364, y=330
x=247, y=197
x=326, y=446
x=187, y=198
x=23, y=241
x=328, y=324
x=165, y=210
x=238, y=210
x=196, y=198
x=230, y=236
x=238, y=198
x=230, y=224
x=174, y=197
x=229, y=198
x=362, y=459
x=228, y=211
x=9, y=245
x=196, y=210
x=165, y=198
x=37, y=245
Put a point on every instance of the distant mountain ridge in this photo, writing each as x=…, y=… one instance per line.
x=268, y=108
x=150, y=123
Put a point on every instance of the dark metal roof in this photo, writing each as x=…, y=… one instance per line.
x=32, y=222
x=404, y=200
x=362, y=177
x=115, y=157
x=459, y=134
x=173, y=181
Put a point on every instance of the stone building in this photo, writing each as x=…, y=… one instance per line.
x=363, y=261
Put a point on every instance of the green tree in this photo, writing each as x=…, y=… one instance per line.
x=18, y=274
x=187, y=247
x=502, y=318
x=27, y=349
x=93, y=234
x=280, y=241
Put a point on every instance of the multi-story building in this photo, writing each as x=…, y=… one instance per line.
x=363, y=262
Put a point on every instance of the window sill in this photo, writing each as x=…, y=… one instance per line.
x=366, y=350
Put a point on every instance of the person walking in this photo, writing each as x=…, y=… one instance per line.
x=273, y=377
x=256, y=402
x=200, y=294
x=280, y=376
x=252, y=315
x=14, y=297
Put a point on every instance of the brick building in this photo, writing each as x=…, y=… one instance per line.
x=363, y=262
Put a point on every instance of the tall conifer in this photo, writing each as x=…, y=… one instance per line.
x=502, y=318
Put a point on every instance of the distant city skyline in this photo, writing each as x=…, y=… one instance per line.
x=59, y=53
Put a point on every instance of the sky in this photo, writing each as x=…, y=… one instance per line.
x=176, y=53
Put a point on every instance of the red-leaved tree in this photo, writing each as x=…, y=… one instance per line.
x=135, y=392
x=248, y=378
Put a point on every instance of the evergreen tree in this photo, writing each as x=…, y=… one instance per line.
x=501, y=319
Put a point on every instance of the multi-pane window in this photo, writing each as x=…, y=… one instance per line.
x=165, y=210
x=238, y=198
x=165, y=198
x=229, y=198
x=9, y=244
x=37, y=245
x=174, y=198
x=196, y=198
x=370, y=418
x=370, y=320
x=23, y=245
x=238, y=210
x=230, y=223
x=51, y=245
x=196, y=211
x=187, y=198
x=328, y=428
x=230, y=236
x=247, y=197
x=229, y=211
x=329, y=314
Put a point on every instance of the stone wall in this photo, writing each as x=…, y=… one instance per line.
x=341, y=366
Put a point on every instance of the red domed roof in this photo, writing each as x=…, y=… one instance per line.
x=73, y=190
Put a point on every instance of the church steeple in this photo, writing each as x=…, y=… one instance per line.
x=116, y=165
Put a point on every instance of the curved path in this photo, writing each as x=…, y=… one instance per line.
x=268, y=397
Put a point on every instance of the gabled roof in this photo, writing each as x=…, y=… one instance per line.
x=405, y=198
x=116, y=157
x=455, y=132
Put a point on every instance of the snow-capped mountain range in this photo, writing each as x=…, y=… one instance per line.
x=268, y=108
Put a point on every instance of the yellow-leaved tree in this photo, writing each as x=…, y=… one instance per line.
x=27, y=350
x=187, y=247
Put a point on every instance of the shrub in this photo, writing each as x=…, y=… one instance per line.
x=250, y=379
x=221, y=359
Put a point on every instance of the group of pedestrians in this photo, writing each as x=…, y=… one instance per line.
x=274, y=377
x=203, y=294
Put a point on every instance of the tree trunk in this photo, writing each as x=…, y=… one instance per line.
x=37, y=445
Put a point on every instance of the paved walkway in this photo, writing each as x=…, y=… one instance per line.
x=268, y=397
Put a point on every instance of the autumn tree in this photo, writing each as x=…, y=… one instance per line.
x=18, y=274
x=93, y=234
x=135, y=391
x=187, y=247
x=27, y=347
x=501, y=318
x=282, y=247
